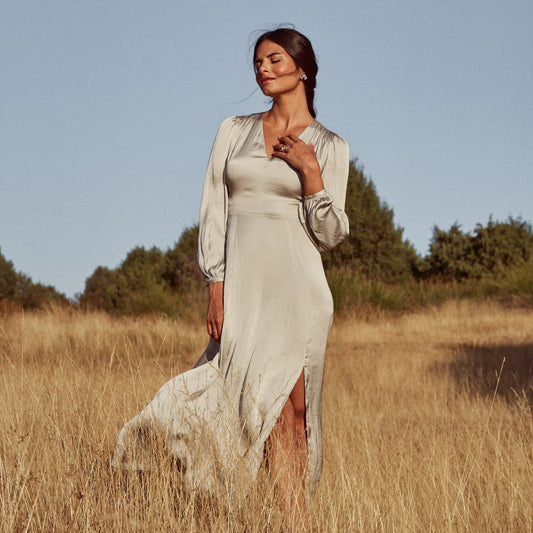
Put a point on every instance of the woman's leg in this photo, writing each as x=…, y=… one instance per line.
x=287, y=456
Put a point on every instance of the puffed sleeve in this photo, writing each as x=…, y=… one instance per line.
x=214, y=208
x=325, y=218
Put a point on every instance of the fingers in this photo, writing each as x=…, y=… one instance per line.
x=281, y=154
x=289, y=140
x=286, y=143
x=214, y=326
x=214, y=321
x=292, y=149
x=214, y=329
x=283, y=148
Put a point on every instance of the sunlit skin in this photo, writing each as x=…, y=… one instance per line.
x=279, y=78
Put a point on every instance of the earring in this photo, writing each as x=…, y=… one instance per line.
x=303, y=76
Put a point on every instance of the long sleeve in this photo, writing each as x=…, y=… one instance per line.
x=214, y=208
x=325, y=218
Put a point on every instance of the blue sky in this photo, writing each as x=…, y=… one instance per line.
x=108, y=110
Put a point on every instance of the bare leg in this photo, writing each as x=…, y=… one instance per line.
x=287, y=457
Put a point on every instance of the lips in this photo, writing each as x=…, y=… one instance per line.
x=267, y=80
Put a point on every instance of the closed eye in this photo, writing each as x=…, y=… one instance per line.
x=274, y=58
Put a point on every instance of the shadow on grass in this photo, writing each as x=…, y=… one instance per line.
x=476, y=369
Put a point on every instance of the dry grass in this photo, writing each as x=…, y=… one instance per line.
x=427, y=425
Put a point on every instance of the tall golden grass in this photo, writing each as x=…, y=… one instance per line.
x=428, y=424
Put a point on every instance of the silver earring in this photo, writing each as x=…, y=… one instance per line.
x=303, y=77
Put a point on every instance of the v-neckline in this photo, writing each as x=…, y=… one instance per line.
x=261, y=125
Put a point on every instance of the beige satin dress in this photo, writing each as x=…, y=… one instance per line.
x=261, y=237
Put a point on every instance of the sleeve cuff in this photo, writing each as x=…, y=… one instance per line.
x=214, y=280
x=318, y=194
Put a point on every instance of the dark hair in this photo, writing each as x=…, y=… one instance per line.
x=299, y=47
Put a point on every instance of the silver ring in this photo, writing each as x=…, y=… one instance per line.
x=283, y=148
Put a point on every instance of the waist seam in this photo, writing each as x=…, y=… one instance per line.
x=291, y=216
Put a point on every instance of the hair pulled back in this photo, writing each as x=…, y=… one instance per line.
x=299, y=47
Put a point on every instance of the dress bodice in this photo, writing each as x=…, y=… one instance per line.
x=258, y=184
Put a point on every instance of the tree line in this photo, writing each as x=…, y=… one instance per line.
x=18, y=290
x=152, y=280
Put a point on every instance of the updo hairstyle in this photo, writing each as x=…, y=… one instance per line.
x=299, y=47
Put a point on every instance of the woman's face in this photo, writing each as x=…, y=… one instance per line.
x=275, y=70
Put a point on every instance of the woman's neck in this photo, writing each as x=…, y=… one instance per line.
x=288, y=112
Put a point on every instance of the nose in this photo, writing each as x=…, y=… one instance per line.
x=263, y=67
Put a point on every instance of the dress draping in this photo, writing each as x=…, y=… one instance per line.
x=263, y=238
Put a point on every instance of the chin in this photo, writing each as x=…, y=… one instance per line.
x=267, y=91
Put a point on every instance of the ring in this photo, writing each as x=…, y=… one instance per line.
x=283, y=148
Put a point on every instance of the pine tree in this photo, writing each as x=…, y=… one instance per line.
x=375, y=247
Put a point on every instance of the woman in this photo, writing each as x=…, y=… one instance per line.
x=273, y=198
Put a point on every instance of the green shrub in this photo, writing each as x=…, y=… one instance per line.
x=19, y=289
x=496, y=248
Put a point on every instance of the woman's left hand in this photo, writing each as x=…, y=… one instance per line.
x=302, y=157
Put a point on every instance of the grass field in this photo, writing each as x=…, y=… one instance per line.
x=428, y=424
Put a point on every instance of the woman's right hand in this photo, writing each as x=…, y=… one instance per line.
x=215, y=310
